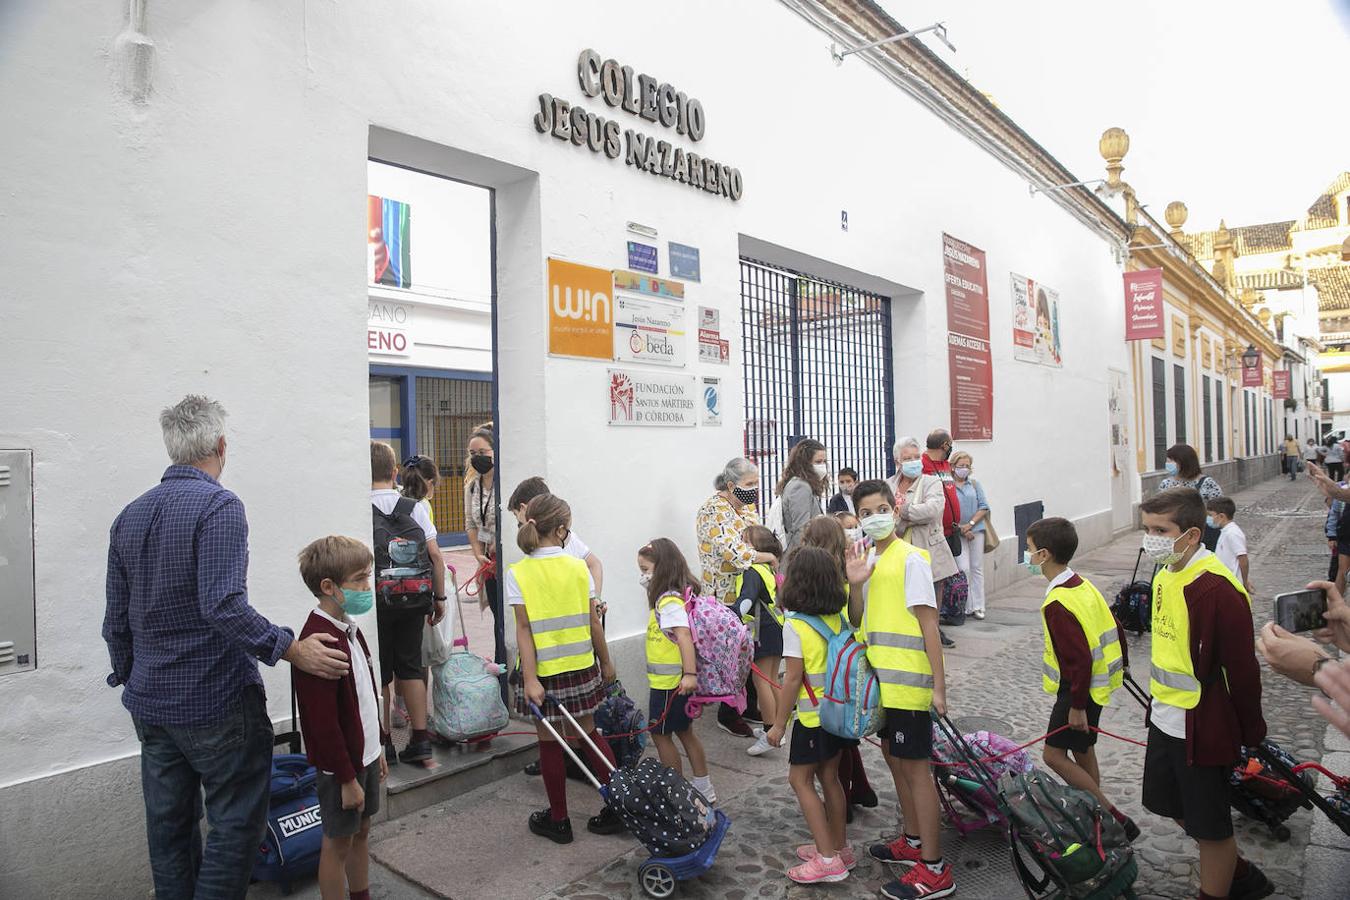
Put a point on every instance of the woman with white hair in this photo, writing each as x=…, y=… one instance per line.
x=723, y=552
x=919, y=505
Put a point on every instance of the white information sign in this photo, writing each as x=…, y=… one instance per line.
x=644, y=397
x=648, y=331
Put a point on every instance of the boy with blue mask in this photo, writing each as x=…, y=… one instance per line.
x=1084, y=661
x=340, y=720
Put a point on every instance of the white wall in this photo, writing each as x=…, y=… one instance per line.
x=212, y=241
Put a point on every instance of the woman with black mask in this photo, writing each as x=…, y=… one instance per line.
x=480, y=518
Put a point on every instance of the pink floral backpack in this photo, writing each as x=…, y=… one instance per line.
x=723, y=647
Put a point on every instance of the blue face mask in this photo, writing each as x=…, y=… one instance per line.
x=911, y=468
x=357, y=603
x=1033, y=568
x=1172, y=468
x=1209, y=520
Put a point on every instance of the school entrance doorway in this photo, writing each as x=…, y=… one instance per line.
x=817, y=363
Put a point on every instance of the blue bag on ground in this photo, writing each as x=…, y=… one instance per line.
x=294, y=837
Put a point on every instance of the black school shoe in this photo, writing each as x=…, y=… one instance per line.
x=416, y=751
x=1131, y=829
x=946, y=641
x=1251, y=887
x=533, y=769
x=607, y=822
x=864, y=797
x=542, y=824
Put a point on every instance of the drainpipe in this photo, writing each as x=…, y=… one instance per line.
x=134, y=53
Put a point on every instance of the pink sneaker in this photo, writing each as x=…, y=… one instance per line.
x=806, y=851
x=815, y=871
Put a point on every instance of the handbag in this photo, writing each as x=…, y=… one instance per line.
x=991, y=540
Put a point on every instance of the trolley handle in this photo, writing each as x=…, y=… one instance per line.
x=549, y=698
x=539, y=714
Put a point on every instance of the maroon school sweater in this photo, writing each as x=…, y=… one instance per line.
x=330, y=716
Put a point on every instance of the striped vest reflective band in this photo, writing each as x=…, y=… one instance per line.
x=1086, y=604
x=1172, y=676
x=895, y=645
x=664, y=664
x=813, y=666
x=558, y=604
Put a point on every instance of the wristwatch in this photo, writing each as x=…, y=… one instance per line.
x=1320, y=662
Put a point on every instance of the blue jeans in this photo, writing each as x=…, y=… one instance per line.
x=231, y=761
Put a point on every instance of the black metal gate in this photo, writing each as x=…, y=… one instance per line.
x=817, y=364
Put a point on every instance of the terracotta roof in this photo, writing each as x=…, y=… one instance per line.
x=1270, y=280
x=1248, y=240
x=1322, y=214
x=1333, y=286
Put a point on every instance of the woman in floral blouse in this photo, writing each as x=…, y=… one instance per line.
x=724, y=554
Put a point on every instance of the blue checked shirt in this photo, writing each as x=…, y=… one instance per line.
x=181, y=634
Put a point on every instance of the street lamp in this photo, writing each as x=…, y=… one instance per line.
x=1251, y=357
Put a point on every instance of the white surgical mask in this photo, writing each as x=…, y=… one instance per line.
x=1161, y=549
x=853, y=534
x=1033, y=567
x=879, y=527
x=644, y=578
x=911, y=468
x=821, y=469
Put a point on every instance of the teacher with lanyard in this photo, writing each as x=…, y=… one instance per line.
x=480, y=517
x=724, y=554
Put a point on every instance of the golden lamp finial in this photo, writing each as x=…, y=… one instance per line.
x=1113, y=146
x=1176, y=214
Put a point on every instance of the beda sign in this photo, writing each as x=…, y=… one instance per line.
x=650, y=99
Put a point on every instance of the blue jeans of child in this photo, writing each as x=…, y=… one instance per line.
x=230, y=760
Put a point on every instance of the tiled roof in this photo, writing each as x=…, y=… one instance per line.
x=1322, y=214
x=1270, y=280
x=1333, y=286
x=1248, y=240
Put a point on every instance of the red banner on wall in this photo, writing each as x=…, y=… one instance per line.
x=969, y=362
x=1144, y=305
x=1281, y=380
x=1251, y=370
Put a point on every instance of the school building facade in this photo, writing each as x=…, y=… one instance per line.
x=640, y=258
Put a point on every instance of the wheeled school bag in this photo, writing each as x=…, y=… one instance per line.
x=1259, y=792
x=622, y=725
x=723, y=648
x=659, y=808
x=402, y=562
x=466, y=695
x=952, y=603
x=294, y=836
x=850, y=704
x=1133, y=606
x=960, y=789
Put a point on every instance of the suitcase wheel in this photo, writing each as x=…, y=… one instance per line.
x=657, y=880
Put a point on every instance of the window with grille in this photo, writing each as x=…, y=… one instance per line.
x=1219, y=389
x=1206, y=412
x=1159, y=413
x=448, y=410
x=1179, y=390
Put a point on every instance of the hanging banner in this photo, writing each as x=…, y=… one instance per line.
x=647, y=330
x=1251, y=369
x=1144, y=305
x=580, y=311
x=652, y=398
x=1280, y=387
x=969, y=362
x=1035, y=322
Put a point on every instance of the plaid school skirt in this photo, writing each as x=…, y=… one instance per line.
x=580, y=692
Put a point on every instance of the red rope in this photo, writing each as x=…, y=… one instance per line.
x=481, y=574
x=670, y=701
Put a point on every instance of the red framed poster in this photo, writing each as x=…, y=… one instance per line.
x=969, y=362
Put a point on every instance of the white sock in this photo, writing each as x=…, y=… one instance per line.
x=702, y=783
x=828, y=860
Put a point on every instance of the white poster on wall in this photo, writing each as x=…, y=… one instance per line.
x=648, y=331
x=712, y=400
x=643, y=397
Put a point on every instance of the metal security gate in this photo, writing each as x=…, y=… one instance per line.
x=817, y=364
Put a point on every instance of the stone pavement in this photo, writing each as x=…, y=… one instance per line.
x=476, y=845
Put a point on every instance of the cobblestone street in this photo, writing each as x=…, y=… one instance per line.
x=994, y=683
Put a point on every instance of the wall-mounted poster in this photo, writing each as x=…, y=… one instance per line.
x=1036, y=336
x=684, y=262
x=969, y=362
x=641, y=257
x=652, y=398
x=649, y=285
x=388, y=242
x=712, y=400
x=647, y=330
x=580, y=311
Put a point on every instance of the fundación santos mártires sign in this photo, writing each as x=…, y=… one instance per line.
x=648, y=98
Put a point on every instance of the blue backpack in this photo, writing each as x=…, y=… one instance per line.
x=850, y=707
x=294, y=837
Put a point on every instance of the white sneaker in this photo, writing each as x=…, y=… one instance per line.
x=760, y=746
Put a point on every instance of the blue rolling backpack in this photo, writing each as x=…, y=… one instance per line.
x=294, y=838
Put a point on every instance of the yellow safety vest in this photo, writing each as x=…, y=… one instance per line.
x=895, y=646
x=813, y=667
x=1172, y=674
x=664, y=663
x=771, y=586
x=558, y=605
x=1086, y=604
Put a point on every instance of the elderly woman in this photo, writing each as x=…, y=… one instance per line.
x=974, y=510
x=723, y=552
x=919, y=504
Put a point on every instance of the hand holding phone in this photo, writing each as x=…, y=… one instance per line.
x=1301, y=610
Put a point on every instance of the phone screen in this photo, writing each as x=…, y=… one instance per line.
x=1301, y=610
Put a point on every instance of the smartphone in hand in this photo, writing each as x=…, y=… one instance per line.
x=1301, y=610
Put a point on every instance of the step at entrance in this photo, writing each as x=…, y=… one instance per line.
x=455, y=770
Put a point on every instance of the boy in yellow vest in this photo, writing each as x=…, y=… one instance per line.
x=1206, y=687
x=891, y=598
x=1084, y=662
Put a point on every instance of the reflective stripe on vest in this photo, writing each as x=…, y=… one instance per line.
x=1086, y=604
x=895, y=645
x=558, y=604
x=665, y=666
x=813, y=667
x=1172, y=677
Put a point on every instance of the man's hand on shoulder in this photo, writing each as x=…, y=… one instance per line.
x=314, y=656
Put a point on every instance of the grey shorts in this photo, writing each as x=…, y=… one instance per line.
x=339, y=822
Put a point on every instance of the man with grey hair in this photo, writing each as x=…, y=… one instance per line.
x=184, y=644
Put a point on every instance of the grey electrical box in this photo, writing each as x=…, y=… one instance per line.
x=18, y=627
